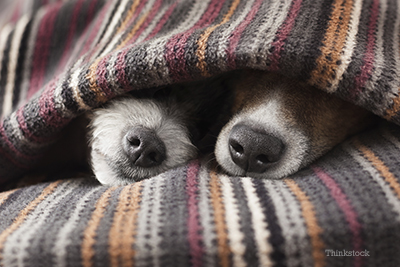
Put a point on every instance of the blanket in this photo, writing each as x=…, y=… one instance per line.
x=59, y=59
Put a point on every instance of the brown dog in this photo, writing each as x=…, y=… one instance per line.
x=279, y=125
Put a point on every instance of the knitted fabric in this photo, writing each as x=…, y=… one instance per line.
x=62, y=58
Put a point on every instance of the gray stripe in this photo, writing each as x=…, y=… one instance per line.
x=17, y=248
x=174, y=213
x=207, y=217
x=297, y=246
x=148, y=239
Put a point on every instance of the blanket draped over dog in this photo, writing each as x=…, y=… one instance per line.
x=59, y=59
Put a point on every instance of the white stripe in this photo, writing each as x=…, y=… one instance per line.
x=206, y=216
x=112, y=28
x=63, y=238
x=391, y=197
x=74, y=84
x=150, y=213
x=236, y=237
x=378, y=48
x=12, y=63
x=109, y=29
x=258, y=221
x=289, y=214
x=118, y=38
x=4, y=35
x=349, y=45
x=26, y=75
x=16, y=250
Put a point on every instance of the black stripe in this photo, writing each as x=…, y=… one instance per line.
x=246, y=225
x=276, y=239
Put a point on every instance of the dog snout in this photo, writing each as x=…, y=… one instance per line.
x=144, y=148
x=253, y=150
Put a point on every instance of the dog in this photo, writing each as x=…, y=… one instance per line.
x=280, y=125
x=139, y=136
x=268, y=126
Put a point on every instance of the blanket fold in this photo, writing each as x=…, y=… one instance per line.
x=59, y=59
x=67, y=57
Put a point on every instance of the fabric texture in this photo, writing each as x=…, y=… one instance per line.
x=62, y=58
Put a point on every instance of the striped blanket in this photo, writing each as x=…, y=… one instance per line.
x=59, y=59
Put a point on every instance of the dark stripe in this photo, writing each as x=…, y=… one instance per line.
x=175, y=47
x=42, y=49
x=302, y=46
x=250, y=255
x=173, y=217
x=276, y=239
x=23, y=48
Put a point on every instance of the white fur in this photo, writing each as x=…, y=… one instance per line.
x=269, y=117
x=109, y=126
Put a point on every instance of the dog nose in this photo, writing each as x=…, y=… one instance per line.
x=252, y=150
x=144, y=147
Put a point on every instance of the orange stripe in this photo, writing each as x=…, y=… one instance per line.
x=25, y=212
x=89, y=235
x=333, y=44
x=123, y=230
x=91, y=76
x=202, y=42
x=314, y=230
x=394, y=110
x=4, y=195
x=134, y=30
x=219, y=218
x=379, y=165
x=129, y=15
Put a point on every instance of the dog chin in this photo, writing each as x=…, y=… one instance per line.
x=111, y=162
x=295, y=154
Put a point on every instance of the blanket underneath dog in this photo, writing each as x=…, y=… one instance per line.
x=59, y=59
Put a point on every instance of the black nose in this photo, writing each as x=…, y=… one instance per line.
x=252, y=150
x=144, y=147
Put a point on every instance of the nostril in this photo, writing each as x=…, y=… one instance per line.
x=263, y=159
x=133, y=141
x=236, y=146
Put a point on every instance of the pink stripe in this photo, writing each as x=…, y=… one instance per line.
x=366, y=68
x=72, y=30
x=16, y=13
x=345, y=205
x=47, y=109
x=193, y=224
x=149, y=18
x=135, y=15
x=24, y=128
x=120, y=70
x=102, y=81
x=235, y=37
x=95, y=30
x=13, y=148
x=120, y=63
x=162, y=21
x=6, y=155
x=283, y=33
x=175, y=47
x=42, y=48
